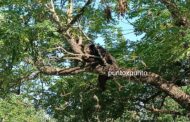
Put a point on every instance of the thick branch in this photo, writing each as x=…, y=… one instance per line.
x=155, y=80
x=72, y=42
x=49, y=70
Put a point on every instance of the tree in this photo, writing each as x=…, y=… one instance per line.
x=43, y=39
x=14, y=108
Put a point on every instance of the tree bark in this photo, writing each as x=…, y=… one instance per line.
x=153, y=79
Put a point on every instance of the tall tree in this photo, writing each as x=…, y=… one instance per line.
x=41, y=40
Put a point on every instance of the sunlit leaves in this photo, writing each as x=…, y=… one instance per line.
x=14, y=108
x=27, y=33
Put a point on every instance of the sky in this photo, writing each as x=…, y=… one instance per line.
x=128, y=32
x=127, y=28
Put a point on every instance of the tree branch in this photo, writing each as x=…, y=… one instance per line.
x=49, y=70
x=78, y=56
x=153, y=79
x=55, y=17
x=80, y=13
x=155, y=110
x=61, y=29
x=29, y=77
x=180, y=19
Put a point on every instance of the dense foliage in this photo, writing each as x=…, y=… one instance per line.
x=29, y=34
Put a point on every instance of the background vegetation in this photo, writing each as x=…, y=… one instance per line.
x=30, y=36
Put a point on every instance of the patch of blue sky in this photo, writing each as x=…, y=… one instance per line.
x=127, y=30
